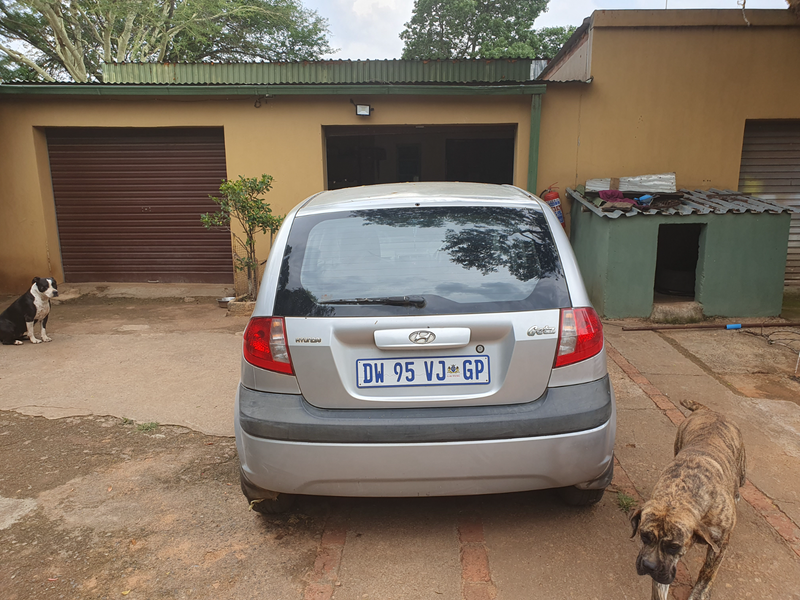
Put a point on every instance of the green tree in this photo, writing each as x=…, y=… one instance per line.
x=447, y=29
x=242, y=200
x=12, y=71
x=551, y=39
x=60, y=40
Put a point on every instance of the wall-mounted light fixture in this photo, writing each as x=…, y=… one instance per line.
x=362, y=110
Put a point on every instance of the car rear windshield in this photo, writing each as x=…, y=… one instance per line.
x=418, y=261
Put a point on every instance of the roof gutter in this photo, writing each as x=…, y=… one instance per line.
x=105, y=89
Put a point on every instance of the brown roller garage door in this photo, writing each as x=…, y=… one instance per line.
x=128, y=203
x=771, y=169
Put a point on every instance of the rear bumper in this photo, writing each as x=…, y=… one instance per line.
x=290, y=418
x=405, y=463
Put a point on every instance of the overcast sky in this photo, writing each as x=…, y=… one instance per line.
x=364, y=29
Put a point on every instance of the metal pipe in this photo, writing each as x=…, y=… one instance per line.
x=710, y=326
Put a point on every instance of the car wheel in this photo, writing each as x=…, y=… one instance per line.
x=273, y=507
x=577, y=497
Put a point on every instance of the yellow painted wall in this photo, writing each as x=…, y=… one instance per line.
x=672, y=98
x=284, y=137
x=670, y=91
x=560, y=130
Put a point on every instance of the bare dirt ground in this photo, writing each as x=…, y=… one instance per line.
x=156, y=513
x=102, y=499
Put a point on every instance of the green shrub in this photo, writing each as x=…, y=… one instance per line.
x=241, y=199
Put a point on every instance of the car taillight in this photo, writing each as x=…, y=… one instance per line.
x=581, y=336
x=265, y=345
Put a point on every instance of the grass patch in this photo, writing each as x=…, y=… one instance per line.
x=625, y=502
x=147, y=426
x=127, y=421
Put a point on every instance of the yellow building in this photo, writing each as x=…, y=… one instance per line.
x=106, y=182
x=711, y=95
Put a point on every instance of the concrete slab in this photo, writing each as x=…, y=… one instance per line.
x=746, y=361
x=771, y=430
x=400, y=548
x=645, y=439
x=103, y=375
x=629, y=395
x=70, y=291
x=644, y=435
x=168, y=362
x=539, y=548
x=644, y=445
x=677, y=312
x=766, y=386
x=649, y=352
x=736, y=351
x=697, y=387
x=758, y=564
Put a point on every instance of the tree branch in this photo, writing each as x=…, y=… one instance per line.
x=22, y=59
x=70, y=55
x=125, y=36
x=107, y=31
x=75, y=36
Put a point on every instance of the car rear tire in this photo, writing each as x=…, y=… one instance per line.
x=577, y=497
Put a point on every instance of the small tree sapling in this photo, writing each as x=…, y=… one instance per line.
x=242, y=199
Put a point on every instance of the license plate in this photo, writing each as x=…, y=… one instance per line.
x=432, y=371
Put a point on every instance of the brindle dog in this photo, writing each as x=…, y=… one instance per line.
x=694, y=500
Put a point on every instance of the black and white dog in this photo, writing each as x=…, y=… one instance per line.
x=32, y=307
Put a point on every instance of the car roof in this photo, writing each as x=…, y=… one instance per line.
x=389, y=193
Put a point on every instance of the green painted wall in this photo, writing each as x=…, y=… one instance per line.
x=589, y=237
x=745, y=258
x=739, y=270
x=631, y=267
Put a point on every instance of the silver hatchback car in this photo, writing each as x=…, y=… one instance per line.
x=423, y=339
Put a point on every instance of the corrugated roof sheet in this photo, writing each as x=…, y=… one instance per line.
x=694, y=202
x=321, y=72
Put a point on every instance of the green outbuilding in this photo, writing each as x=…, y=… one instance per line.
x=721, y=249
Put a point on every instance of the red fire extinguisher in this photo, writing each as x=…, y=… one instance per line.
x=550, y=195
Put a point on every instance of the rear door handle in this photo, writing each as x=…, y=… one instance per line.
x=442, y=337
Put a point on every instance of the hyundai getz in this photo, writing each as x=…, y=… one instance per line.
x=423, y=339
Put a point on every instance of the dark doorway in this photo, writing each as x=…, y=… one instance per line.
x=481, y=160
x=354, y=160
x=676, y=261
x=409, y=162
x=392, y=154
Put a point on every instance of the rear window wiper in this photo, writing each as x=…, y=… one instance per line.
x=417, y=301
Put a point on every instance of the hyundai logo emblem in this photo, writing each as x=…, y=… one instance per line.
x=422, y=337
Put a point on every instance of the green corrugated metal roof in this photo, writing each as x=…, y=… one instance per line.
x=322, y=72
